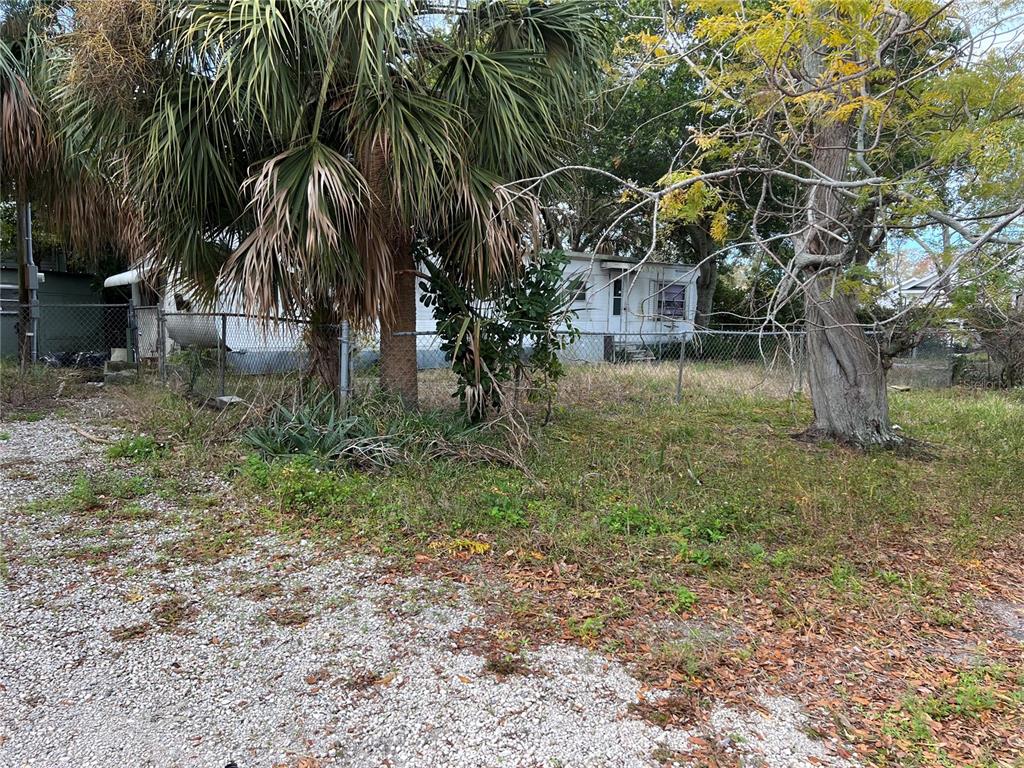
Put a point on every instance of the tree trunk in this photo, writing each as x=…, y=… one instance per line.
x=707, y=274
x=24, y=311
x=322, y=340
x=398, y=352
x=845, y=370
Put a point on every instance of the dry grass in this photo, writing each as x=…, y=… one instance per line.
x=590, y=384
x=611, y=382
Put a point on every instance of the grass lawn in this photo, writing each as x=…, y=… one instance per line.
x=715, y=482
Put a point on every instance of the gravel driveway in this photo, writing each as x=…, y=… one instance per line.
x=112, y=654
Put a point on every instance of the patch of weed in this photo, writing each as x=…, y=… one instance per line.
x=505, y=664
x=505, y=506
x=971, y=696
x=589, y=628
x=288, y=616
x=29, y=416
x=138, y=448
x=302, y=486
x=173, y=611
x=630, y=520
x=683, y=599
x=130, y=632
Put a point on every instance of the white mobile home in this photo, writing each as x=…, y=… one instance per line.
x=252, y=345
x=629, y=303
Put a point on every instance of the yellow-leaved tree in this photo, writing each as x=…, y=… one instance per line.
x=863, y=110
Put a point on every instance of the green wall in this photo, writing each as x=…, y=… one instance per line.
x=64, y=328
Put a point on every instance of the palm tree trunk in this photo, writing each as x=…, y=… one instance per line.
x=322, y=340
x=397, y=329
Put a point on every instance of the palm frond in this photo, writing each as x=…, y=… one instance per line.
x=311, y=208
x=422, y=139
x=23, y=139
x=483, y=234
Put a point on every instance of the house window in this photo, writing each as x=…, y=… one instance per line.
x=672, y=300
x=617, y=297
x=576, y=289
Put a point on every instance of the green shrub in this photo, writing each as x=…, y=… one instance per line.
x=629, y=519
x=139, y=448
x=508, y=338
x=683, y=599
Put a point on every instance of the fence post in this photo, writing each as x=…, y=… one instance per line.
x=801, y=361
x=344, y=365
x=679, y=376
x=161, y=341
x=130, y=340
x=223, y=349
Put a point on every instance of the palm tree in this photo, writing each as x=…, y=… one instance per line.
x=299, y=149
x=37, y=163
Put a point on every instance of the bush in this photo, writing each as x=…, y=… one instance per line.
x=140, y=448
x=301, y=485
x=486, y=338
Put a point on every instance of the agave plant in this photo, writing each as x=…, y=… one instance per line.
x=378, y=433
x=297, y=149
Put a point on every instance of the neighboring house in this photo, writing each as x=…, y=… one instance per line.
x=629, y=302
x=71, y=313
x=915, y=289
x=927, y=287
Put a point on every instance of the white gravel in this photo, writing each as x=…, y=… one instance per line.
x=1011, y=615
x=371, y=677
x=775, y=737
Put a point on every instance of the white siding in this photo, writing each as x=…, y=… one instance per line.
x=639, y=299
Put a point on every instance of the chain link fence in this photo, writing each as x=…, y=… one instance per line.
x=266, y=360
x=69, y=335
x=606, y=366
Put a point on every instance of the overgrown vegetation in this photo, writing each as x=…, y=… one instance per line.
x=625, y=516
x=27, y=394
x=704, y=488
x=508, y=338
x=376, y=432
